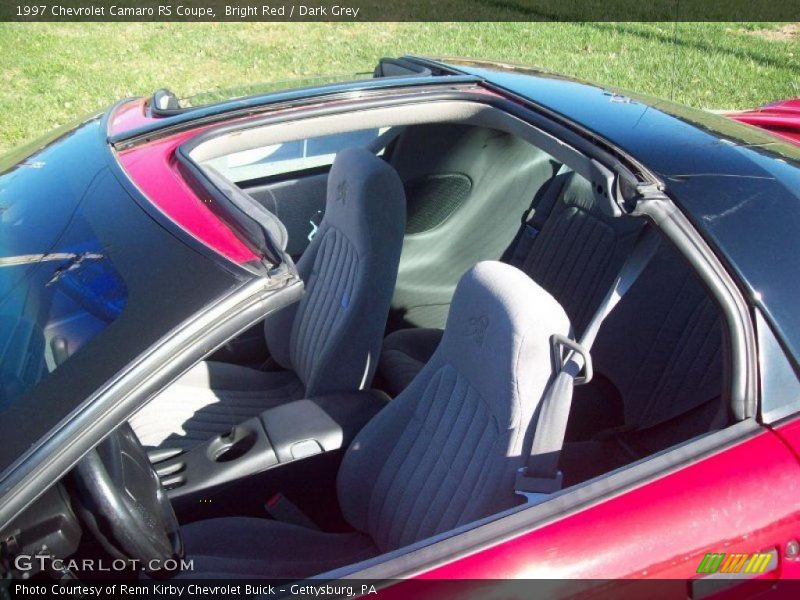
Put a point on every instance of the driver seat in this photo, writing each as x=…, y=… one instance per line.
x=329, y=341
x=442, y=454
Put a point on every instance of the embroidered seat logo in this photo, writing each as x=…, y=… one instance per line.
x=476, y=328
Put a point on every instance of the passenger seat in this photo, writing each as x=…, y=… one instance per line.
x=575, y=257
x=330, y=340
x=443, y=454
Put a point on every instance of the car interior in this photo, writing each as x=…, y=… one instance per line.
x=441, y=250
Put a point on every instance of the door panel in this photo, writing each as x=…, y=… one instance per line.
x=740, y=500
x=297, y=203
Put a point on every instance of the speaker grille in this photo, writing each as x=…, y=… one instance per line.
x=432, y=199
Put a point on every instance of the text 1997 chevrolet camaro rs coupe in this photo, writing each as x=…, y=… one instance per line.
x=457, y=320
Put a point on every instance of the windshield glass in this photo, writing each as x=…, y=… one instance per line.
x=89, y=281
x=58, y=285
x=258, y=89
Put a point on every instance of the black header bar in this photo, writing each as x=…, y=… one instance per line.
x=410, y=10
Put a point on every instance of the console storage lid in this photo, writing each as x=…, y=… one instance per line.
x=312, y=426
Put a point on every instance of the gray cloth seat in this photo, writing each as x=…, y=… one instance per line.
x=404, y=354
x=252, y=548
x=442, y=454
x=663, y=347
x=328, y=342
x=575, y=257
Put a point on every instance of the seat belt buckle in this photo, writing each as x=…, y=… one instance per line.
x=536, y=489
x=530, y=231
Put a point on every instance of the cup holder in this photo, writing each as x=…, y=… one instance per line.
x=232, y=445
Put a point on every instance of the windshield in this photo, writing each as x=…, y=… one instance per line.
x=88, y=282
x=58, y=285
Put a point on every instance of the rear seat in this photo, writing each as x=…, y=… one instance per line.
x=575, y=257
x=658, y=360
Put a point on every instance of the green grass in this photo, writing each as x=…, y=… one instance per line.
x=52, y=73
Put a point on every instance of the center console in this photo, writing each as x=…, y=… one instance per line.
x=277, y=438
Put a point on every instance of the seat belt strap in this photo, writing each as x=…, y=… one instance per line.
x=280, y=508
x=535, y=217
x=574, y=367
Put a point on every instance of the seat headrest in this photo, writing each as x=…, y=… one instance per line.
x=498, y=336
x=363, y=190
x=581, y=193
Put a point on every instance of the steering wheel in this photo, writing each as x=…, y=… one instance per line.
x=120, y=497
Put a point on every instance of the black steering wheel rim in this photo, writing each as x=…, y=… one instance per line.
x=122, y=501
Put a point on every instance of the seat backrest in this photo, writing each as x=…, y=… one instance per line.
x=663, y=347
x=579, y=250
x=445, y=451
x=332, y=337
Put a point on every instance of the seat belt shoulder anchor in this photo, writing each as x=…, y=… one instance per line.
x=558, y=344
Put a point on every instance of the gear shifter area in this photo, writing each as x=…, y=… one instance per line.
x=234, y=444
x=275, y=439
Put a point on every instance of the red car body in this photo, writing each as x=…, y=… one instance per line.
x=779, y=118
x=741, y=500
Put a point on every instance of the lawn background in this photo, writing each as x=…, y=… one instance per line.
x=53, y=73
